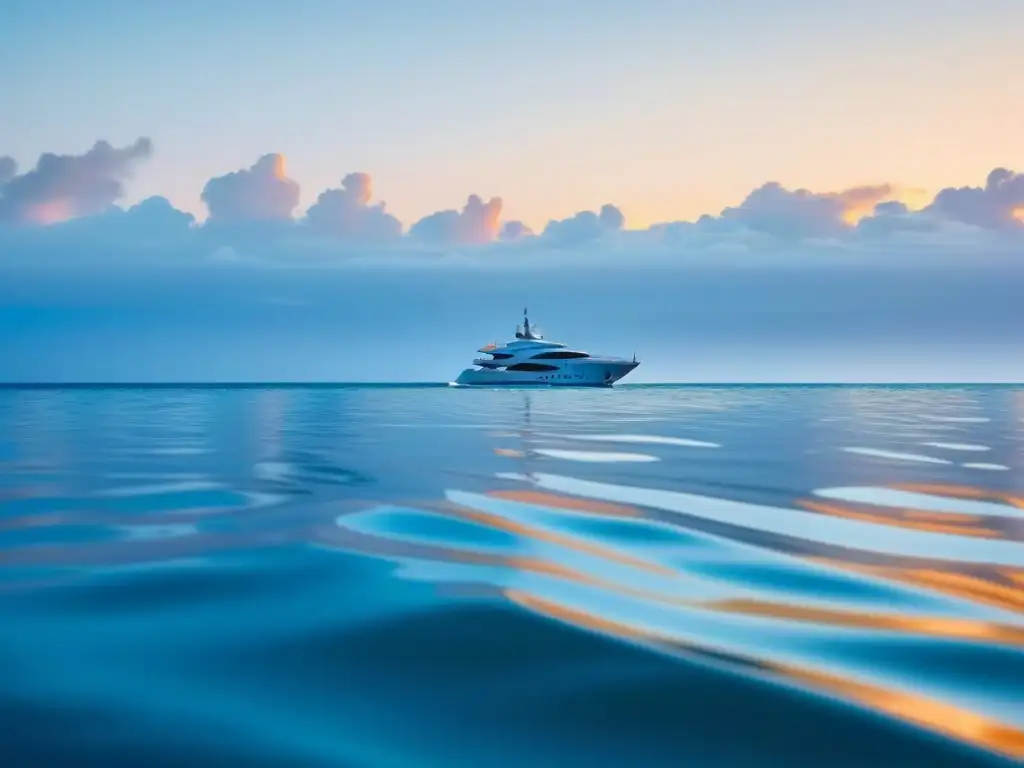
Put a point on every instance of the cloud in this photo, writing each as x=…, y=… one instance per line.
x=346, y=213
x=253, y=217
x=157, y=214
x=151, y=226
x=964, y=215
x=262, y=192
x=8, y=167
x=153, y=218
x=478, y=223
x=584, y=227
x=800, y=213
x=514, y=230
x=62, y=187
x=611, y=217
x=999, y=205
x=893, y=216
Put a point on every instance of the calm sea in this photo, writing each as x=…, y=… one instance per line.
x=431, y=576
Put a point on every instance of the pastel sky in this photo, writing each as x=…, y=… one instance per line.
x=667, y=108
x=327, y=190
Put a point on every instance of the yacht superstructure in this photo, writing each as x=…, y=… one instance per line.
x=532, y=360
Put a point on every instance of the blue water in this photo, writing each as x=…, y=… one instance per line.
x=432, y=576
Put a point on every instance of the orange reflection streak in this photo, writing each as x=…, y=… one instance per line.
x=969, y=586
x=569, y=542
x=953, y=526
x=933, y=626
x=947, y=719
x=546, y=567
x=941, y=489
x=962, y=492
x=938, y=716
x=540, y=498
x=998, y=587
x=961, y=585
x=940, y=517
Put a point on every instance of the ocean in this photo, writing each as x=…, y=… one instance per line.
x=430, y=576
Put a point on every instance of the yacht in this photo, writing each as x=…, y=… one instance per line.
x=532, y=360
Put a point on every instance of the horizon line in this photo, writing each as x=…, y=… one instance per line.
x=443, y=384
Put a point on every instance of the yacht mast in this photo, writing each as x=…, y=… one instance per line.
x=527, y=332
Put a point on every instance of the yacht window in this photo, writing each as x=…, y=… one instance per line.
x=559, y=355
x=531, y=367
x=501, y=355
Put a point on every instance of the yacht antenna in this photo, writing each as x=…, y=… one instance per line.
x=526, y=324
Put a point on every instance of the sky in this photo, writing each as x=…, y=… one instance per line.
x=701, y=324
x=729, y=163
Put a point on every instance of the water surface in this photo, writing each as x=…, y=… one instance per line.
x=417, y=576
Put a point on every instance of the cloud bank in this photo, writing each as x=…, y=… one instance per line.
x=253, y=214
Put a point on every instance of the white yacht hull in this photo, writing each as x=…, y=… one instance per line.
x=589, y=373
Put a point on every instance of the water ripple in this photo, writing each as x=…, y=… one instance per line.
x=896, y=455
x=593, y=456
x=750, y=587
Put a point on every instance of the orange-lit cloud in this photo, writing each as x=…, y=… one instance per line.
x=776, y=210
x=262, y=192
x=49, y=212
x=62, y=187
x=993, y=206
x=859, y=202
x=478, y=223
